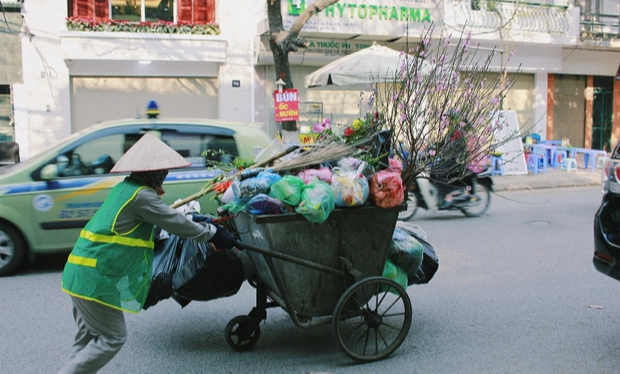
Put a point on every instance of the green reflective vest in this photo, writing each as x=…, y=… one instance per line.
x=110, y=267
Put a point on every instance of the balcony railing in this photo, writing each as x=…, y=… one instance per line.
x=548, y=16
x=600, y=26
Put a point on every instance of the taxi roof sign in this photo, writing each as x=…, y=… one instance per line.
x=152, y=110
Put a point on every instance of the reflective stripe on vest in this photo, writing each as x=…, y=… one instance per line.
x=130, y=242
x=84, y=261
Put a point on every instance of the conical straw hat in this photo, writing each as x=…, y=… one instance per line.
x=149, y=154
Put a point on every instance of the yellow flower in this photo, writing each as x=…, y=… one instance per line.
x=357, y=124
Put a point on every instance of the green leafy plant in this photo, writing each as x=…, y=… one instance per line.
x=222, y=160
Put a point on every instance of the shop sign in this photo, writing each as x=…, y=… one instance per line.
x=286, y=105
x=365, y=17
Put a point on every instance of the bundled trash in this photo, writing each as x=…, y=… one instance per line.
x=264, y=204
x=350, y=187
x=323, y=173
x=244, y=190
x=386, y=189
x=187, y=270
x=345, y=170
x=289, y=189
x=406, y=251
x=411, y=259
x=430, y=262
x=317, y=201
x=316, y=191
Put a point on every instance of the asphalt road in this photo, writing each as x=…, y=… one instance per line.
x=516, y=292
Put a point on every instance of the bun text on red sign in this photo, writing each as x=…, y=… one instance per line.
x=286, y=105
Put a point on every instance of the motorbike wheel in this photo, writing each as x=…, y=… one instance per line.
x=478, y=208
x=412, y=208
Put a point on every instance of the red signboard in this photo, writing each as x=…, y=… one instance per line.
x=286, y=105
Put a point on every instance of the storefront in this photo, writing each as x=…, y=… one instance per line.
x=350, y=26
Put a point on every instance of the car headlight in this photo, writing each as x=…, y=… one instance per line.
x=611, y=177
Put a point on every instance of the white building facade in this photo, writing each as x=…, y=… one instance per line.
x=73, y=79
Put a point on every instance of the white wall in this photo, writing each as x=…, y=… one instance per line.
x=42, y=102
x=238, y=23
x=590, y=62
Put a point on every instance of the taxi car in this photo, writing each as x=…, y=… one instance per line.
x=606, y=257
x=46, y=200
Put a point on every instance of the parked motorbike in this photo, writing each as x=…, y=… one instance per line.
x=426, y=195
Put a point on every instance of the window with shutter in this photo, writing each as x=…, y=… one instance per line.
x=82, y=8
x=96, y=9
x=189, y=11
x=203, y=11
x=196, y=11
x=102, y=10
x=184, y=11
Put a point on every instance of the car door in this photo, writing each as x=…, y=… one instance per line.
x=64, y=206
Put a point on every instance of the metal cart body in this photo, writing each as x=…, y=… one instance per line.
x=320, y=273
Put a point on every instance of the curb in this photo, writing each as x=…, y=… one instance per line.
x=551, y=179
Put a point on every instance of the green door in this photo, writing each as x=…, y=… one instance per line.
x=602, y=113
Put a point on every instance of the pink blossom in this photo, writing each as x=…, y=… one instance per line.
x=320, y=127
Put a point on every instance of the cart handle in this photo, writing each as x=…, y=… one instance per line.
x=294, y=259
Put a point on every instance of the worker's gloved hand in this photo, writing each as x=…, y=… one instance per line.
x=223, y=239
x=201, y=218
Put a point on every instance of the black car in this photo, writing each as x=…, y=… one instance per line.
x=607, y=220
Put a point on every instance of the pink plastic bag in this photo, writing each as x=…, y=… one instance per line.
x=396, y=165
x=386, y=189
x=323, y=173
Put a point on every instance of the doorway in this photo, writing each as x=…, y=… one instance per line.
x=602, y=113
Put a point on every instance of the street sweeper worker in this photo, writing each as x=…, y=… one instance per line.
x=109, y=269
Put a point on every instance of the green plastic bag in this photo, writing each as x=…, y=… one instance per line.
x=288, y=190
x=317, y=201
x=405, y=251
x=395, y=273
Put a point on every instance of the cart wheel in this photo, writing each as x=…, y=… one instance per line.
x=242, y=333
x=371, y=319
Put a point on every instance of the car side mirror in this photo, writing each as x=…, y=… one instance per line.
x=49, y=172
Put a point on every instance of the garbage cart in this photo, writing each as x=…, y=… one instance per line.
x=325, y=273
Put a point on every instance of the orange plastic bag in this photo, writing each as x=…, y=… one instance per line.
x=386, y=189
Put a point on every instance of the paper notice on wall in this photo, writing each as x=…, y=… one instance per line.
x=509, y=143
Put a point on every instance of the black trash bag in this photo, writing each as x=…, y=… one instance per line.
x=382, y=147
x=204, y=274
x=165, y=262
x=430, y=264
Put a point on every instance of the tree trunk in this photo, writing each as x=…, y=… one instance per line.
x=282, y=42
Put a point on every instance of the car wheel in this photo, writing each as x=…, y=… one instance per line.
x=11, y=249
